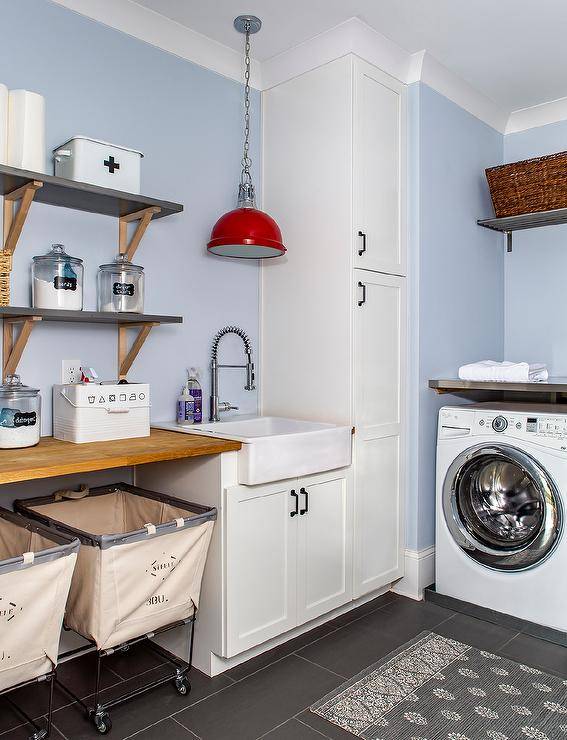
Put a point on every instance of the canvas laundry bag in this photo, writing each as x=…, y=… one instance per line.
x=141, y=560
x=36, y=567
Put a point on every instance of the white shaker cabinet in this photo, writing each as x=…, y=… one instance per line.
x=380, y=323
x=261, y=564
x=378, y=170
x=288, y=556
x=324, y=553
x=333, y=166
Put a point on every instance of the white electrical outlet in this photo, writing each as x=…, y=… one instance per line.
x=70, y=371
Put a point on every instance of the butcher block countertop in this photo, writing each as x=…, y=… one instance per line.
x=51, y=457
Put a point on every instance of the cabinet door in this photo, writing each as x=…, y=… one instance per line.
x=379, y=166
x=380, y=368
x=261, y=556
x=324, y=561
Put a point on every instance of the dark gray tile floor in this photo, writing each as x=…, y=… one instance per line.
x=269, y=697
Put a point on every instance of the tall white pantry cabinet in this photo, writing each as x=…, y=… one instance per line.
x=333, y=329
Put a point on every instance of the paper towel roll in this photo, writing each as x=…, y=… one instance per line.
x=3, y=124
x=26, y=130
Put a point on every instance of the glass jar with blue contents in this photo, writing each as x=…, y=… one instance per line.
x=20, y=414
x=57, y=280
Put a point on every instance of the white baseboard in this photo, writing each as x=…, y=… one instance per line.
x=419, y=573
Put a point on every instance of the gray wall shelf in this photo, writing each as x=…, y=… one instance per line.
x=523, y=221
x=555, y=389
x=88, y=317
x=82, y=196
x=26, y=318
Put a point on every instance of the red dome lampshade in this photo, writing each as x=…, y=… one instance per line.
x=246, y=233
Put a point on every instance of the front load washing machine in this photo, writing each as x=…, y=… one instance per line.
x=501, y=501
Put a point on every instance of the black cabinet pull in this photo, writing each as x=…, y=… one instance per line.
x=306, y=494
x=362, y=285
x=362, y=250
x=296, y=497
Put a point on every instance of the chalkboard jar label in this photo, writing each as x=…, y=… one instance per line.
x=123, y=289
x=22, y=419
x=64, y=283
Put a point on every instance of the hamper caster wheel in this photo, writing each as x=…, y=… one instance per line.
x=182, y=685
x=103, y=723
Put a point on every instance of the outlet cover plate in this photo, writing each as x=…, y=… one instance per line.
x=70, y=371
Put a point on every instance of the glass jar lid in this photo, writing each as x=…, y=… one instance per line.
x=13, y=387
x=57, y=253
x=121, y=264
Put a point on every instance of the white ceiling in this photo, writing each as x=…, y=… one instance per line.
x=513, y=51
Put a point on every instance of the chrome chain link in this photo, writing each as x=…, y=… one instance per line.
x=246, y=161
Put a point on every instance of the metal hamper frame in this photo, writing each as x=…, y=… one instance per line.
x=98, y=712
x=66, y=546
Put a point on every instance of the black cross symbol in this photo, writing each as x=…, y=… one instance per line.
x=111, y=164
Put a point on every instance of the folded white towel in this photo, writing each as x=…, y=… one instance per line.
x=504, y=372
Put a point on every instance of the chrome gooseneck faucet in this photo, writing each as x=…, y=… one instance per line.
x=216, y=406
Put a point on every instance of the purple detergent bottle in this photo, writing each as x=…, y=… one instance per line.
x=197, y=393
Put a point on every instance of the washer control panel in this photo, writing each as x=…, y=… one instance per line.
x=538, y=426
x=554, y=427
x=547, y=426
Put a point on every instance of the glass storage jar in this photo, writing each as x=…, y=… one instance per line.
x=57, y=280
x=20, y=414
x=121, y=287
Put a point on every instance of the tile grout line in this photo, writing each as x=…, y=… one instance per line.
x=185, y=728
x=501, y=647
x=328, y=670
x=190, y=706
x=311, y=728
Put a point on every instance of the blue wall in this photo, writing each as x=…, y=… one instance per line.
x=456, y=275
x=536, y=269
x=187, y=120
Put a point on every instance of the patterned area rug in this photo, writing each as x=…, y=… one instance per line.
x=434, y=688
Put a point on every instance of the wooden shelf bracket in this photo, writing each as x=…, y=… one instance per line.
x=127, y=356
x=12, y=348
x=143, y=217
x=14, y=216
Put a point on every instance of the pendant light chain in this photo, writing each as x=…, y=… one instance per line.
x=246, y=194
x=246, y=161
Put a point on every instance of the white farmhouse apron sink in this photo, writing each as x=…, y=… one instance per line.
x=274, y=448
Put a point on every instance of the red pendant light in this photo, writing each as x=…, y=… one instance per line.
x=246, y=232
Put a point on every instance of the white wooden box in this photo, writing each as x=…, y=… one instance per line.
x=100, y=412
x=99, y=163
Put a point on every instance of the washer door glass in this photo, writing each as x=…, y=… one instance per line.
x=501, y=507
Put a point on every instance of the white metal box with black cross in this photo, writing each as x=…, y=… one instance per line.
x=99, y=163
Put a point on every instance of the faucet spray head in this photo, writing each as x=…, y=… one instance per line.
x=249, y=376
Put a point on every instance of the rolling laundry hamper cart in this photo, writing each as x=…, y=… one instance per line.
x=138, y=573
x=36, y=566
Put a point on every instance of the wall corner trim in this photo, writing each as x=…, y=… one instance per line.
x=537, y=115
x=162, y=32
x=419, y=569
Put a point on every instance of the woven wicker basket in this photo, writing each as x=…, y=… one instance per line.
x=5, y=268
x=529, y=186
